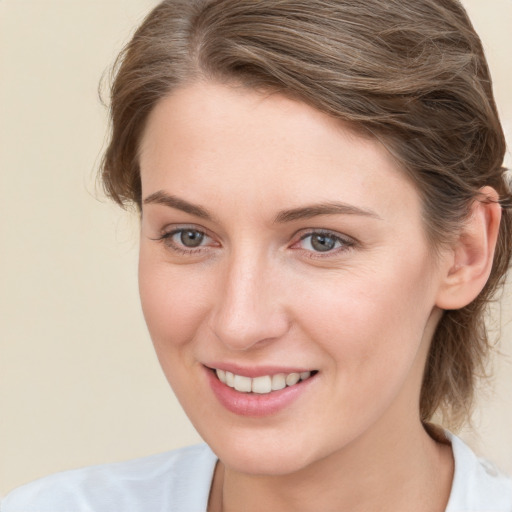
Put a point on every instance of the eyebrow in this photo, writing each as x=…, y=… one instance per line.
x=171, y=201
x=300, y=213
x=314, y=210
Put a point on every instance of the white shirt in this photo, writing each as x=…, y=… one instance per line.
x=180, y=481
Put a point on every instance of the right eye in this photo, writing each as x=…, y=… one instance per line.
x=186, y=240
x=189, y=238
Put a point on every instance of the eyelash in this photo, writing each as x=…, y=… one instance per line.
x=346, y=243
x=167, y=239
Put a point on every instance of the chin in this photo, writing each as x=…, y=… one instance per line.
x=259, y=462
x=261, y=454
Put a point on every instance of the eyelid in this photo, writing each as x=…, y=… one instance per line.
x=176, y=228
x=303, y=233
x=347, y=242
x=168, y=232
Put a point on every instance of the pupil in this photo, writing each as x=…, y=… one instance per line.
x=322, y=243
x=191, y=238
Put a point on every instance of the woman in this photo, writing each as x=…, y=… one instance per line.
x=324, y=218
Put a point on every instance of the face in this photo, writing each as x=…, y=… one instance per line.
x=278, y=245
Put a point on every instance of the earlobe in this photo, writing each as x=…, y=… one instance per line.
x=472, y=255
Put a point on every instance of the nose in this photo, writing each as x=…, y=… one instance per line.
x=249, y=311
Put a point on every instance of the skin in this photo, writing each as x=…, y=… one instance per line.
x=257, y=292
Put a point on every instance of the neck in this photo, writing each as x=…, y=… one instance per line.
x=410, y=467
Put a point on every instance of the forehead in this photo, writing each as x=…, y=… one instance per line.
x=213, y=140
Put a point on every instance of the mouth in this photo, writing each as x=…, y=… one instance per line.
x=260, y=391
x=264, y=384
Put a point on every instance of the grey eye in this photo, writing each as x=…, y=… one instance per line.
x=322, y=243
x=190, y=237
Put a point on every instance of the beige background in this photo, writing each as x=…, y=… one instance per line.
x=79, y=383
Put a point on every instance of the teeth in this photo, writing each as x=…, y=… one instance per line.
x=261, y=385
x=243, y=384
x=292, y=379
x=278, y=381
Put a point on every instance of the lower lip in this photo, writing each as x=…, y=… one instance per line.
x=254, y=404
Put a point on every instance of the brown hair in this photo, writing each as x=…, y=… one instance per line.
x=412, y=74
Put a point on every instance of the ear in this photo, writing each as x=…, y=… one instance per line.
x=470, y=258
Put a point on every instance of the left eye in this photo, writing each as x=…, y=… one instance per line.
x=322, y=242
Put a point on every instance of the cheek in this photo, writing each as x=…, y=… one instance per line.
x=173, y=306
x=371, y=320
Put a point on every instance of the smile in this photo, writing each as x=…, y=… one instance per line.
x=259, y=391
x=261, y=385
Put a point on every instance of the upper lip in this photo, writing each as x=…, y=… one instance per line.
x=256, y=371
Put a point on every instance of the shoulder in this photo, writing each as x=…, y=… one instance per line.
x=174, y=481
x=478, y=486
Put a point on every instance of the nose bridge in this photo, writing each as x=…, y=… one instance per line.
x=248, y=309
